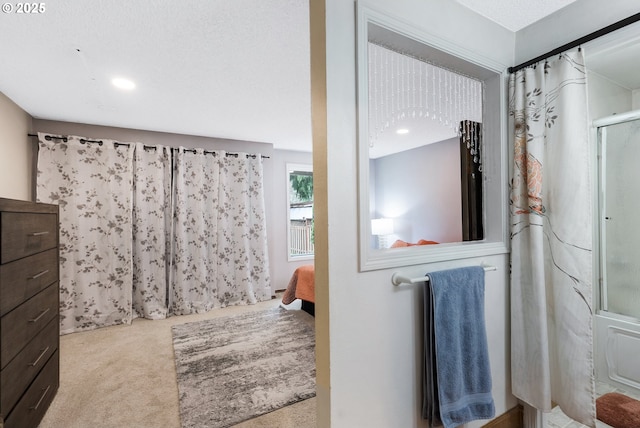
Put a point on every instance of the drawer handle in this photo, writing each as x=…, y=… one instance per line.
x=36, y=319
x=44, y=394
x=44, y=352
x=46, y=232
x=38, y=275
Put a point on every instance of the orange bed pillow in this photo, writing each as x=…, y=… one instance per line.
x=400, y=243
x=425, y=242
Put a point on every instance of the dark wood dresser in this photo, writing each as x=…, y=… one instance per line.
x=29, y=311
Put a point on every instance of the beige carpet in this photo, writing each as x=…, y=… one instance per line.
x=124, y=376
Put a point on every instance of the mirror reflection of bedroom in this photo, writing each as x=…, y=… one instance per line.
x=425, y=144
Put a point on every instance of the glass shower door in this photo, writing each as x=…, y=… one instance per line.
x=620, y=218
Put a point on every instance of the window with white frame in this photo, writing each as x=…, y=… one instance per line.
x=300, y=212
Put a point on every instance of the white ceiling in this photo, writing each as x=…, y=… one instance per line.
x=515, y=14
x=235, y=69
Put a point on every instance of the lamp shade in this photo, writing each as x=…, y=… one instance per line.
x=382, y=226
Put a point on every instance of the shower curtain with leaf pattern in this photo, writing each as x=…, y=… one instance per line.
x=133, y=245
x=551, y=230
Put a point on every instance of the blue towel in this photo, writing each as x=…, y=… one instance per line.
x=461, y=355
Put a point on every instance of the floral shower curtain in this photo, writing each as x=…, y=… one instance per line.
x=118, y=211
x=551, y=228
x=220, y=255
x=91, y=181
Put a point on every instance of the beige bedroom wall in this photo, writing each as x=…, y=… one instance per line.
x=278, y=262
x=15, y=151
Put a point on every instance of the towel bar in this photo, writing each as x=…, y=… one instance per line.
x=397, y=278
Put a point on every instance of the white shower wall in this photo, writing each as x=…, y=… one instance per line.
x=620, y=204
x=616, y=340
x=635, y=101
x=606, y=97
x=617, y=329
x=617, y=345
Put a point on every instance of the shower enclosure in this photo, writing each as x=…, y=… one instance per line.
x=617, y=266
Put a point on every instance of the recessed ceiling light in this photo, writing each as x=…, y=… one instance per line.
x=402, y=131
x=122, y=83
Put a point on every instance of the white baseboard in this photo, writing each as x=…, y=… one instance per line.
x=532, y=417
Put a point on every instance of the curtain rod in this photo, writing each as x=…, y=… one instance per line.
x=398, y=279
x=116, y=144
x=599, y=33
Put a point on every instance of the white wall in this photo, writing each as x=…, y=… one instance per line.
x=15, y=151
x=606, y=97
x=635, y=103
x=576, y=20
x=368, y=331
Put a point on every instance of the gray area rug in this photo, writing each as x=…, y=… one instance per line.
x=235, y=368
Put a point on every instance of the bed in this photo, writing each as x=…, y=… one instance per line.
x=302, y=286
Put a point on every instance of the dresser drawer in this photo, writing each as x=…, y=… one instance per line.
x=21, y=324
x=21, y=279
x=34, y=403
x=24, y=234
x=16, y=377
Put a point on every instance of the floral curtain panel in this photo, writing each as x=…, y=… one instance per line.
x=220, y=253
x=551, y=225
x=151, y=231
x=196, y=184
x=242, y=239
x=91, y=182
